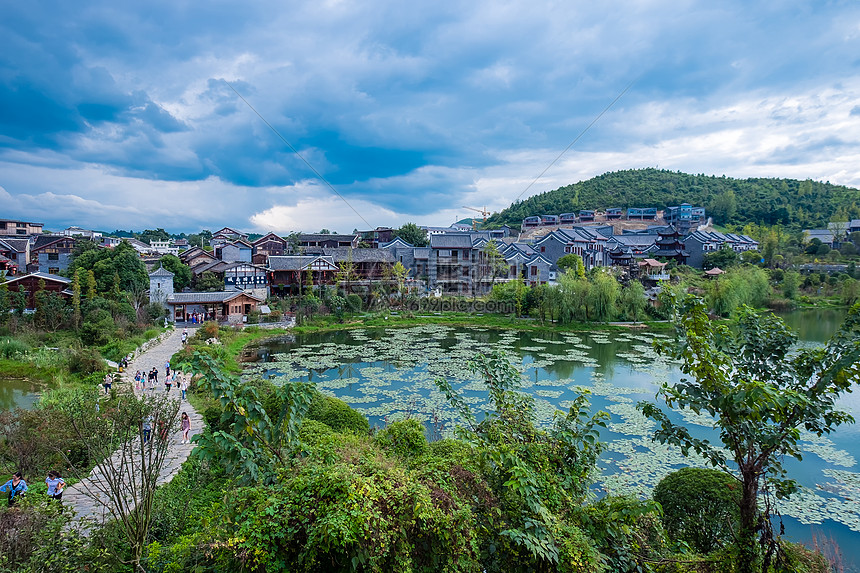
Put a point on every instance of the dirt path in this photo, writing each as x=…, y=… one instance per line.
x=85, y=497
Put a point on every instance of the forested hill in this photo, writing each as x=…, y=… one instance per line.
x=798, y=204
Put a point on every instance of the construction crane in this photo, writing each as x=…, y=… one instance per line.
x=483, y=212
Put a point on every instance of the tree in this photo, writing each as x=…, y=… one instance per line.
x=209, y=282
x=700, y=507
x=346, y=273
x=254, y=445
x=149, y=235
x=400, y=273
x=76, y=299
x=128, y=463
x=790, y=284
x=572, y=263
x=602, y=297
x=412, y=234
x=181, y=271
x=724, y=258
x=91, y=284
x=761, y=395
x=493, y=261
x=632, y=301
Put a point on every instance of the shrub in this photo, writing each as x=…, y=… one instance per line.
x=312, y=431
x=337, y=415
x=85, y=361
x=353, y=302
x=700, y=506
x=405, y=438
x=208, y=330
x=13, y=348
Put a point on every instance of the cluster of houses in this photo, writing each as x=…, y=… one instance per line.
x=683, y=217
x=457, y=260
x=835, y=234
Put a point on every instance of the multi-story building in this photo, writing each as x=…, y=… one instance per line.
x=51, y=254
x=19, y=228
x=701, y=243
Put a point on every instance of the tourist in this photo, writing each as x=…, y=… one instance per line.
x=55, y=485
x=184, y=336
x=167, y=369
x=162, y=430
x=155, y=375
x=183, y=383
x=107, y=382
x=168, y=383
x=16, y=487
x=147, y=428
x=185, y=424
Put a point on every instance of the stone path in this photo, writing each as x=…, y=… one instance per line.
x=85, y=497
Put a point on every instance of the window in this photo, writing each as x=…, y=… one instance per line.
x=2, y=224
x=53, y=256
x=534, y=271
x=53, y=270
x=542, y=249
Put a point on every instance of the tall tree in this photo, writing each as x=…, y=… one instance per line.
x=412, y=234
x=761, y=394
x=181, y=271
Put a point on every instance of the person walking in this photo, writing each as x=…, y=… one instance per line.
x=185, y=425
x=147, y=428
x=107, y=382
x=167, y=369
x=184, y=336
x=55, y=485
x=168, y=383
x=183, y=383
x=16, y=487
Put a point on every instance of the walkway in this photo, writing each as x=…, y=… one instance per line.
x=84, y=497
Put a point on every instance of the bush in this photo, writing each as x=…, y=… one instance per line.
x=405, y=438
x=86, y=361
x=312, y=431
x=337, y=415
x=13, y=348
x=700, y=507
x=208, y=330
x=353, y=302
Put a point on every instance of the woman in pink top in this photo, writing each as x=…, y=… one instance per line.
x=185, y=425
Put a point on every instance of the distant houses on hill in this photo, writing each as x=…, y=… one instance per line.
x=682, y=217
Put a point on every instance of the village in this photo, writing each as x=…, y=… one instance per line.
x=459, y=260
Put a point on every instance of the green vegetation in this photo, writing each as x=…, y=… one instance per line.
x=761, y=396
x=789, y=202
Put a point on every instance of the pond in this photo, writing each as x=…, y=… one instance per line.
x=388, y=374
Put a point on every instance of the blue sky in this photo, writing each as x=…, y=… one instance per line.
x=115, y=116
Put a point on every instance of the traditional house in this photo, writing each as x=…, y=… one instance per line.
x=670, y=246
x=614, y=213
x=586, y=215
x=225, y=306
x=195, y=255
x=17, y=252
x=160, y=286
x=236, y=252
x=268, y=245
x=288, y=273
x=451, y=263
x=248, y=277
x=10, y=227
x=567, y=219
x=378, y=236
x=328, y=241
x=34, y=282
x=533, y=221
x=854, y=226
x=368, y=265
x=701, y=243
x=586, y=243
x=51, y=254
x=230, y=234
x=653, y=270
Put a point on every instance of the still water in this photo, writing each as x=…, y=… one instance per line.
x=389, y=374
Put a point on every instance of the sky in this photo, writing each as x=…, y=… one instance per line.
x=116, y=116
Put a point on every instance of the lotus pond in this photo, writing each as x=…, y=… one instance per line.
x=388, y=374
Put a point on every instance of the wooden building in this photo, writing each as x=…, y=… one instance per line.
x=223, y=306
x=288, y=274
x=34, y=282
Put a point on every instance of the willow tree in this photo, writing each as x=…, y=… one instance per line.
x=762, y=394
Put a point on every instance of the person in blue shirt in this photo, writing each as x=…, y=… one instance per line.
x=15, y=486
x=55, y=485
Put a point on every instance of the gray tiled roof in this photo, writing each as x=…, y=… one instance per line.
x=19, y=245
x=451, y=241
x=360, y=255
x=161, y=272
x=294, y=262
x=306, y=237
x=206, y=297
x=46, y=276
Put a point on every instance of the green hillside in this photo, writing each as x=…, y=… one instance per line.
x=794, y=203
